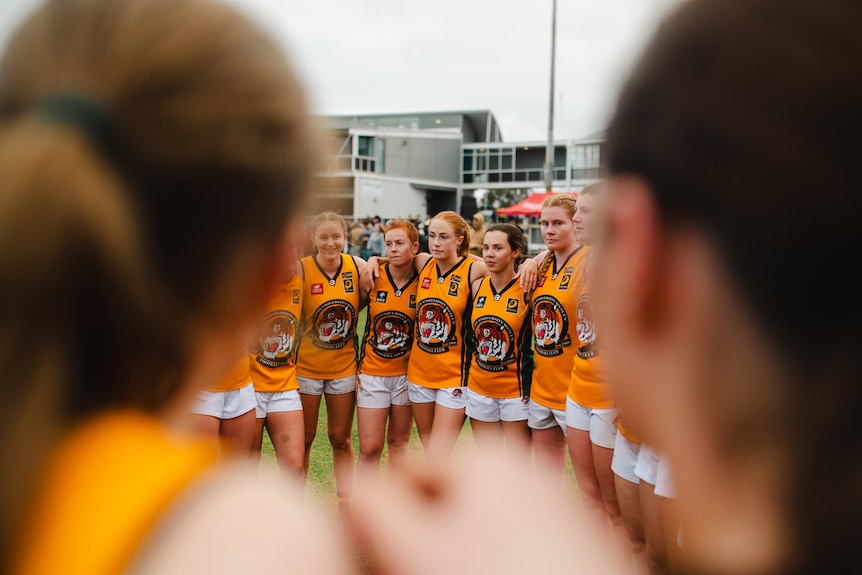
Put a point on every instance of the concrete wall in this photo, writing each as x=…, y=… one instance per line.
x=388, y=199
x=423, y=158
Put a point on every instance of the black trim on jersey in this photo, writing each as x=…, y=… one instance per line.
x=554, y=272
x=498, y=294
x=400, y=290
x=326, y=275
x=427, y=263
x=452, y=269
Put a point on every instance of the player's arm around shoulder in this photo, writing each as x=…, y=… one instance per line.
x=477, y=271
x=366, y=281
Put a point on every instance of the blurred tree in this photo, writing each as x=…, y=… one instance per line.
x=495, y=199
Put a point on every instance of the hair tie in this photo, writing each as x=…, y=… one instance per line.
x=82, y=112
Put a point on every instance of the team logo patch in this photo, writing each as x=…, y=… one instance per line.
x=391, y=335
x=411, y=303
x=381, y=296
x=493, y=341
x=334, y=324
x=480, y=301
x=348, y=284
x=453, y=288
x=316, y=289
x=512, y=305
x=276, y=339
x=565, y=281
x=435, y=326
x=295, y=297
x=426, y=283
x=587, y=345
x=456, y=393
x=550, y=326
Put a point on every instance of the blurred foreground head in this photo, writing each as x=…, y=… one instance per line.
x=152, y=153
x=732, y=314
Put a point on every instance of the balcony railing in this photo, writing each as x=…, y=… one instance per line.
x=348, y=163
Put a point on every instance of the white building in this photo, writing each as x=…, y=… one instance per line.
x=419, y=164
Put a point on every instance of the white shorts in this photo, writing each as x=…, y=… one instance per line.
x=381, y=391
x=277, y=401
x=225, y=404
x=625, y=458
x=336, y=386
x=451, y=397
x=484, y=408
x=655, y=470
x=542, y=417
x=647, y=464
x=601, y=423
x=664, y=478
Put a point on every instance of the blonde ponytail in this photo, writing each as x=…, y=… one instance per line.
x=546, y=264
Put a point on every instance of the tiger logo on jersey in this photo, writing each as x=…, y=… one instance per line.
x=435, y=322
x=276, y=345
x=334, y=323
x=586, y=329
x=550, y=326
x=490, y=345
x=391, y=335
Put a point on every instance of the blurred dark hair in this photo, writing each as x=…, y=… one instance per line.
x=744, y=118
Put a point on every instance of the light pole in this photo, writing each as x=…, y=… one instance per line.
x=549, y=150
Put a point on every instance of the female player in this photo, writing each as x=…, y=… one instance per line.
x=554, y=327
x=591, y=414
x=152, y=155
x=437, y=368
x=437, y=371
x=273, y=370
x=501, y=366
x=327, y=361
x=382, y=392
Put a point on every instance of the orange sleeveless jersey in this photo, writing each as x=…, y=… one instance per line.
x=439, y=355
x=502, y=359
x=104, y=489
x=553, y=305
x=238, y=377
x=390, y=325
x=627, y=431
x=273, y=355
x=588, y=384
x=330, y=306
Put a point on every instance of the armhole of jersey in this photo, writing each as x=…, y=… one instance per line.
x=480, y=280
x=431, y=259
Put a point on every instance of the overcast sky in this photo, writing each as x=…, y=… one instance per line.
x=385, y=56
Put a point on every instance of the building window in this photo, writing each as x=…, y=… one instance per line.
x=587, y=161
x=365, y=146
